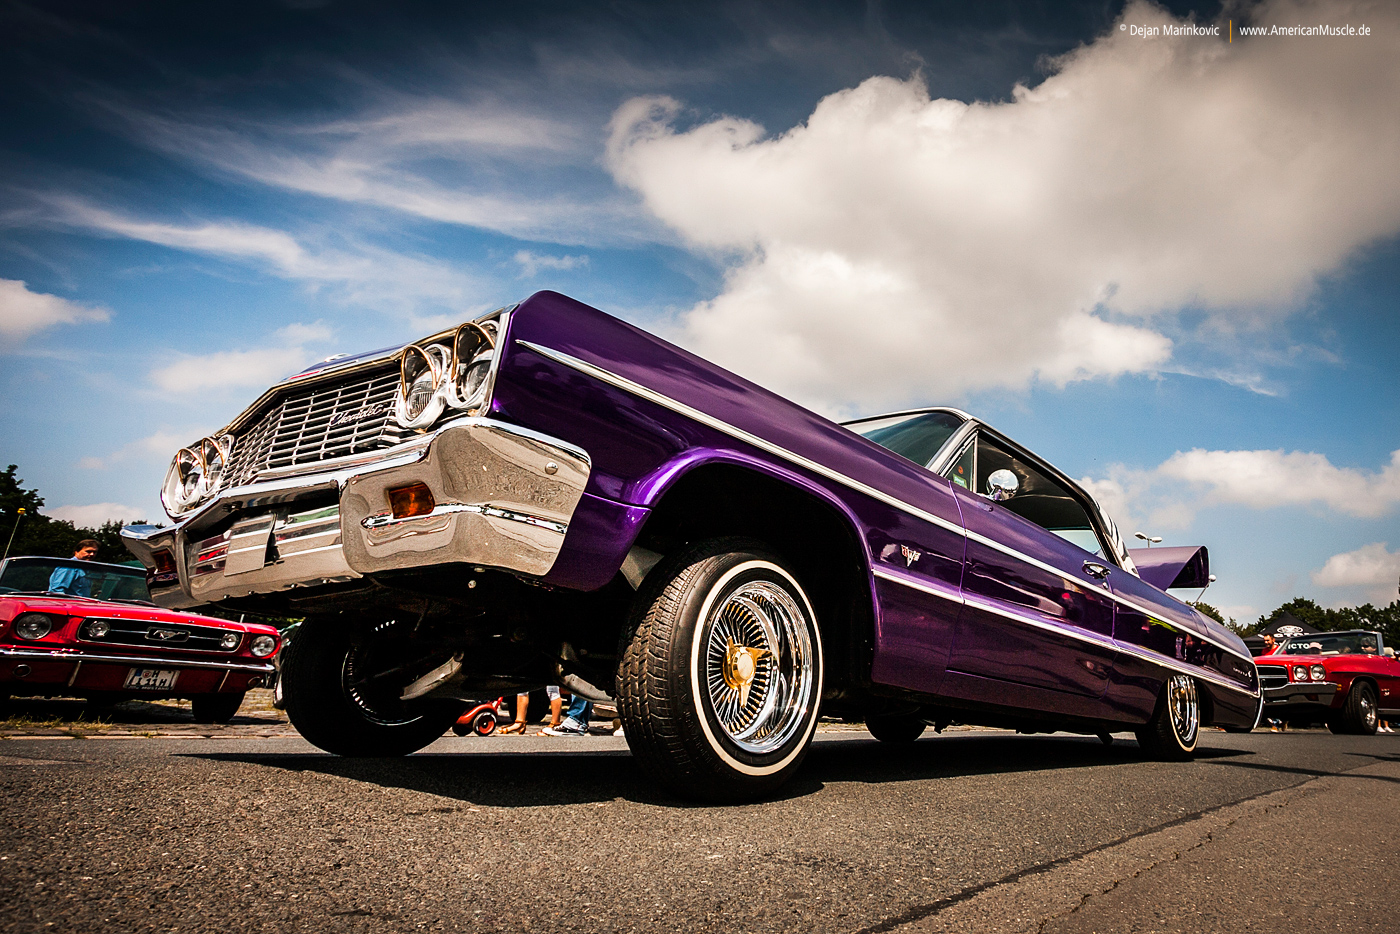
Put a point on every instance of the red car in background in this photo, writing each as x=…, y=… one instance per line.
x=1350, y=680
x=87, y=629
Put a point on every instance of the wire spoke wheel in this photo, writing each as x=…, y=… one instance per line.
x=1185, y=708
x=758, y=666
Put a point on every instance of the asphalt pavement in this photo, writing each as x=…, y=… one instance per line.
x=252, y=829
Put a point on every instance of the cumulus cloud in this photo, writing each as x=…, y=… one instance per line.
x=23, y=312
x=898, y=248
x=1373, y=568
x=1168, y=496
x=236, y=369
x=153, y=448
x=92, y=516
x=531, y=263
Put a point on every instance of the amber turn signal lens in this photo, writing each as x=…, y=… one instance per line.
x=414, y=500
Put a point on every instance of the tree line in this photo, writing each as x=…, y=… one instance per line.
x=32, y=533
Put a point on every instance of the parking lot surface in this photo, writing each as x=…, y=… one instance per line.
x=164, y=825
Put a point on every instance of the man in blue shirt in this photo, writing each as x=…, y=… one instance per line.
x=75, y=580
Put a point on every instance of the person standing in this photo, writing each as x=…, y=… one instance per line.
x=75, y=581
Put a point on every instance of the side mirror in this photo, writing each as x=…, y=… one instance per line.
x=1002, y=485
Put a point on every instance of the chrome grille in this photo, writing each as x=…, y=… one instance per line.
x=309, y=424
x=183, y=636
x=1272, y=676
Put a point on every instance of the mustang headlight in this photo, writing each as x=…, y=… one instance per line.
x=263, y=646
x=421, y=372
x=33, y=625
x=473, y=349
x=1319, y=673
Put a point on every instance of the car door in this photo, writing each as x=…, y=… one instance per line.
x=1034, y=612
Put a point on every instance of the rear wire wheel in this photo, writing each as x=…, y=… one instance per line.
x=1175, y=727
x=721, y=679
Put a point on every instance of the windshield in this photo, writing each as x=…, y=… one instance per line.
x=1334, y=643
x=917, y=436
x=76, y=578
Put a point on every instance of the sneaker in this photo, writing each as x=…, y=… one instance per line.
x=619, y=732
x=570, y=727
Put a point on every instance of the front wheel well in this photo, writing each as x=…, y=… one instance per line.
x=721, y=500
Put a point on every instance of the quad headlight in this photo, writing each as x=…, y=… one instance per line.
x=195, y=474
x=434, y=377
x=1318, y=673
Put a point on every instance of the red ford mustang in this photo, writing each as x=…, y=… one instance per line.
x=85, y=629
x=1348, y=679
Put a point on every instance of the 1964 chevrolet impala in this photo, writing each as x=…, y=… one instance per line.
x=550, y=495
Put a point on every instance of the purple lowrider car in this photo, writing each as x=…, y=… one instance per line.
x=550, y=495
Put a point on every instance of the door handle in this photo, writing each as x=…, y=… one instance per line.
x=1094, y=569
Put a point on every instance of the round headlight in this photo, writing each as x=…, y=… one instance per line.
x=230, y=640
x=183, y=482
x=1300, y=673
x=263, y=646
x=1319, y=673
x=98, y=629
x=473, y=348
x=214, y=454
x=33, y=625
x=421, y=373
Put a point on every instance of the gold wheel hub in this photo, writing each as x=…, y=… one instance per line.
x=740, y=666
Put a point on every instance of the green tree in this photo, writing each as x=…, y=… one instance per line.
x=38, y=534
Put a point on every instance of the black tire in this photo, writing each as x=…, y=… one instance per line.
x=1335, y=723
x=1359, y=714
x=334, y=705
x=895, y=729
x=215, y=708
x=1175, y=727
x=686, y=687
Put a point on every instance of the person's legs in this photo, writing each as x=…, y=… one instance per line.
x=522, y=709
x=580, y=710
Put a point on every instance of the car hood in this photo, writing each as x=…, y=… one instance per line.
x=107, y=609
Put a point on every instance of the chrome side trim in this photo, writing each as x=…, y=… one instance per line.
x=952, y=596
x=651, y=395
x=384, y=520
x=1105, y=642
x=57, y=655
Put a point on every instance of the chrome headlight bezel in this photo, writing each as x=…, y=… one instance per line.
x=421, y=367
x=34, y=626
x=1300, y=672
x=473, y=358
x=460, y=372
x=262, y=646
x=195, y=474
x=1318, y=672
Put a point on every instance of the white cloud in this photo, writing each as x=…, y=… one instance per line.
x=1372, y=567
x=896, y=248
x=153, y=448
x=359, y=272
x=235, y=369
x=1168, y=497
x=532, y=263
x=1268, y=479
x=94, y=515
x=23, y=312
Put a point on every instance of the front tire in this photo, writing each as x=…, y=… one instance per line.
x=1175, y=727
x=720, y=683
x=1359, y=714
x=335, y=701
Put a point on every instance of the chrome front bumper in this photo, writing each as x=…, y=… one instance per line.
x=93, y=658
x=1300, y=694
x=504, y=497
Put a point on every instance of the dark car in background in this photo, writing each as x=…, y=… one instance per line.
x=86, y=629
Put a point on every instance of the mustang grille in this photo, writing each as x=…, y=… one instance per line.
x=143, y=632
x=1272, y=676
x=305, y=425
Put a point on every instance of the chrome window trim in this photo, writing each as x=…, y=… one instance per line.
x=665, y=401
x=1107, y=642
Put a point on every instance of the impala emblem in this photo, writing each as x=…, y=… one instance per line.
x=910, y=555
x=166, y=635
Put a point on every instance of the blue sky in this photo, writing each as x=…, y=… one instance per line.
x=1170, y=264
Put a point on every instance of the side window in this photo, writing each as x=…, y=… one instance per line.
x=1039, y=499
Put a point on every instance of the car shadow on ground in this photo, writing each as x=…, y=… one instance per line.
x=535, y=778
x=65, y=712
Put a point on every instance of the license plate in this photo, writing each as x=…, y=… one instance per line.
x=151, y=679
